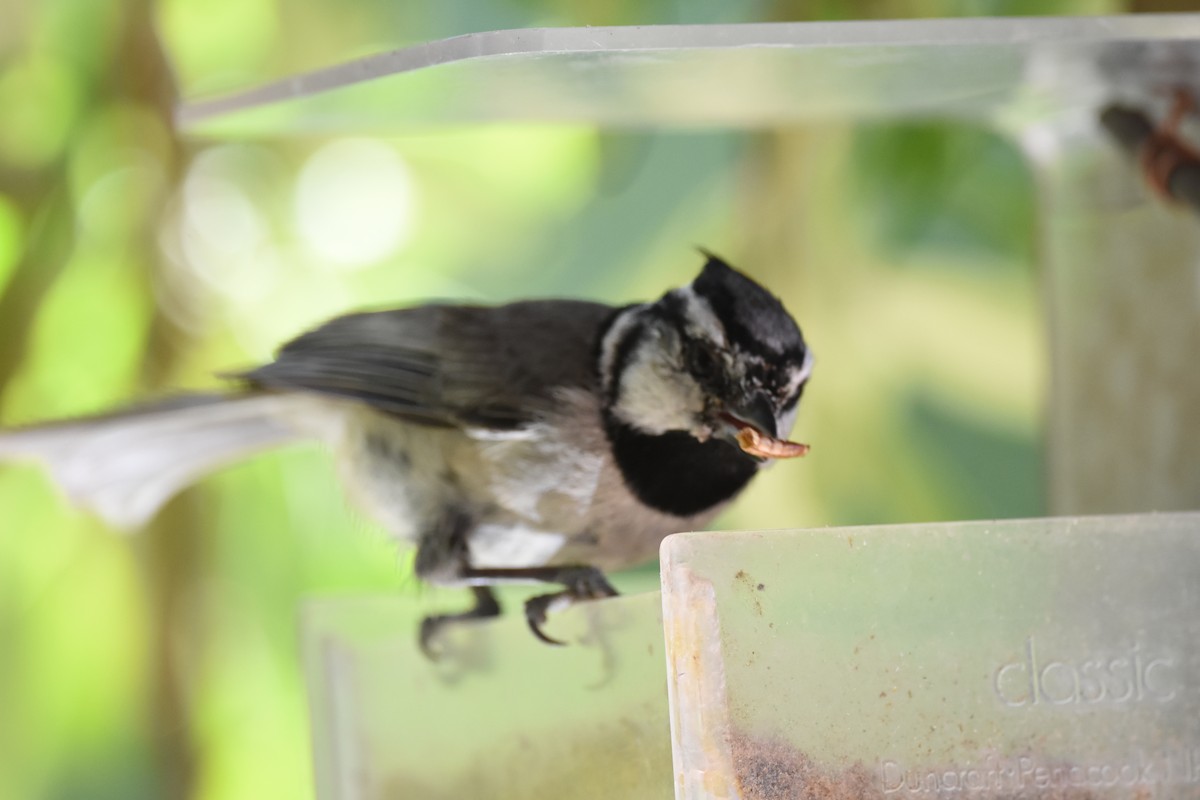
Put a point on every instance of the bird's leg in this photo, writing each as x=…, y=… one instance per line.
x=579, y=582
x=442, y=558
x=485, y=607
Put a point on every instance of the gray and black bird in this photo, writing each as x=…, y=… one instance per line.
x=538, y=441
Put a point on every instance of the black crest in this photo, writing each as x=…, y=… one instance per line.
x=753, y=318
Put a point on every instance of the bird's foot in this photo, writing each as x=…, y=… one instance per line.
x=486, y=606
x=582, y=583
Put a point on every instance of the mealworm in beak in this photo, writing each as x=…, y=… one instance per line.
x=759, y=444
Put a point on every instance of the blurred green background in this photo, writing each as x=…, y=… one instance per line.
x=132, y=262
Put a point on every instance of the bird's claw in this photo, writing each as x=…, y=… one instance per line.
x=429, y=629
x=585, y=583
x=582, y=583
x=536, y=609
x=485, y=607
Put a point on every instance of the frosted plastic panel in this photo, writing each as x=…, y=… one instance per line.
x=1040, y=659
x=1122, y=291
x=734, y=75
x=501, y=715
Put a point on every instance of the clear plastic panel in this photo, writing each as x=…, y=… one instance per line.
x=1055, y=658
x=499, y=715
x=731, y=75
x=1122, y=293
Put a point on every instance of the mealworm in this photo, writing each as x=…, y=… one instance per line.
x=759, y=444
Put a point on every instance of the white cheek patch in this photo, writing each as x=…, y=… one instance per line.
x=655, y=396
x=616, y=334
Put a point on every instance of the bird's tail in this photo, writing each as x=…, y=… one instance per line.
x=125, y=466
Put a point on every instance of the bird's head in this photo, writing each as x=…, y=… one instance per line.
x=720, y=358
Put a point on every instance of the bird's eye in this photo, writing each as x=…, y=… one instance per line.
x=702, y=363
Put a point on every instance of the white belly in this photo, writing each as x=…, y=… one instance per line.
x=527, y=491
x=512, y=546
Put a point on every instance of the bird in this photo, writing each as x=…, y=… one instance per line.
x=539, y=442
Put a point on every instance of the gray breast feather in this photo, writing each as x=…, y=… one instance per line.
x=546, y=493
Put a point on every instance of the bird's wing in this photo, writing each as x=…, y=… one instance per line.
x=494, y=367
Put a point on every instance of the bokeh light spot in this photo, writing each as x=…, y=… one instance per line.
x=354, y=202
x=224, y=237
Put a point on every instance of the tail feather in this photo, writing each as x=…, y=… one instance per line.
x=125, y=466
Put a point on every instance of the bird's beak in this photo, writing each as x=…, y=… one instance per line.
x=755, y=411
x=751, y=426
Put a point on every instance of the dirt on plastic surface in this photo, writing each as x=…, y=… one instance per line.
x=769, y=769
x=772, y=769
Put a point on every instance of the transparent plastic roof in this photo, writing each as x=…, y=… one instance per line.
x=745, y=75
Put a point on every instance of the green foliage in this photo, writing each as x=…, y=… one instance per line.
x=97, y=313
x=939, y=187
x=980, y=468
x=12, y=238
x=42, y=100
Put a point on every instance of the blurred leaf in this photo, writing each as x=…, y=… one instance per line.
x=120, y=769
x=81, y=34
x=89, y=676
x=220, y=44
x=72, y=634
x=936, y=187
x=41, y=100
x=12, y=238
x=986, y=471
x=117, y=171
x=87, y=343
